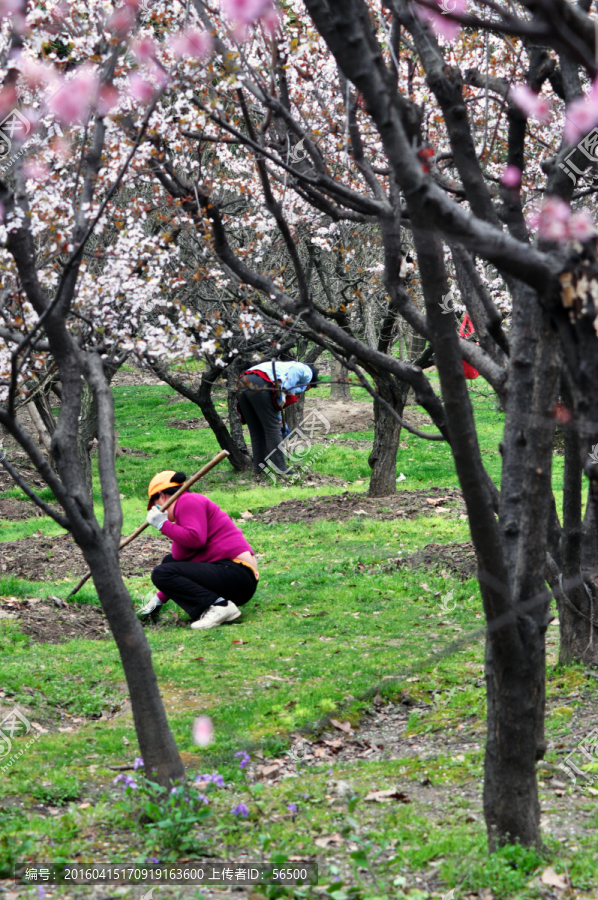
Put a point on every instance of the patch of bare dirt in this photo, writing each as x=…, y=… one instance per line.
x=405, y=504
x=452, y=559
x=15, y=510
x=39, y=558
x=343, y=415
x=137, y=376
x=47, y=623
x=188, y=424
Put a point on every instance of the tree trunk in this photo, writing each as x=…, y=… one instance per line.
x=234, y=419
x=239, y=458
x=294, y=414
x=513, y=682
x=87, y=431
x=387, y=434
x=156, y=743
x=339, y=387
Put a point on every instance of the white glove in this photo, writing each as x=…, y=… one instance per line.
x=156, y=517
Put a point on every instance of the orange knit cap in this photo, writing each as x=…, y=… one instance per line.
x=161, y=481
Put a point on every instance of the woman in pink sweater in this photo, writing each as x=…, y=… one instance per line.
x=211, y=569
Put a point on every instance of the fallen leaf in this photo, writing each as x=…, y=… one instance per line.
x=336, y=744
x=434, y=501
x=179, y=650
x=388, y=795
x=246, y=515
x=259, y=754
x=320, y=752
x=327, y=840
x=342, y=726
x=240, y=641
x=549, y=876
x=84, y=805
x=199, y=658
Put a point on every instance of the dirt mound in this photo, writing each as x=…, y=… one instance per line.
x=454, y=559
x=18, y=509
x=405, y=504
x=343, y=415
x=38, y=558
x=46, y=623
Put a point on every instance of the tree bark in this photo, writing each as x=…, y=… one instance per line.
x=387, y=435
x=239, y=456
x=339, y=386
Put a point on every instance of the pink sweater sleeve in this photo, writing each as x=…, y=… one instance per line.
x=191, y=528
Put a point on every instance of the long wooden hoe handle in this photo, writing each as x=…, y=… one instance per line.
x=185, y=487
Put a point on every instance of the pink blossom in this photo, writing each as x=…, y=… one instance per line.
x=121, y=20
x=244, y=11
x=108, y=98
x=72, y=101
x=439, y=20
x=62, y=148
x=271, y=20
x=36, y=74
x=144, y=49
x=140, y=89
x=552, y=220
x=203, y=731
x=193, y=43
x=9, y=7
x=511, y=177
x=531, y=103
x=8, y=99
x=36, y=170
x=581, y=226
x=581, y=115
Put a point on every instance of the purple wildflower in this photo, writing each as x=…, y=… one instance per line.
x=240, y=810
x=138, y=763
x=127, y=781
x=215, y=778
x=244, y=758
x=155, y=860
x=203, y=798
x=305, y=796
x=40, y=891
x=292, y=808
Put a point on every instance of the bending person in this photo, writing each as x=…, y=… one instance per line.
x=211, y=569
x=260, y=400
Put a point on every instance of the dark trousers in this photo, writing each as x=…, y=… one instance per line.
x=195, y=586
x=257, y=406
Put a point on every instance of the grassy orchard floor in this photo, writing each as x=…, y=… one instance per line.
x=330, y=620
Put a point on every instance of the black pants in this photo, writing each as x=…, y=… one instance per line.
x=262, y=420
x=195, y=586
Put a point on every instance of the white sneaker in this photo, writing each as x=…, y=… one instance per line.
x=217, y=615
x=151, y=606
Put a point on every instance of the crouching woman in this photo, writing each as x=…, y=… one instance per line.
x=211, y=570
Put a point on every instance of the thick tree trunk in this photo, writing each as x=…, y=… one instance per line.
x=339, y=386
x=511, y=805
x=387, y=435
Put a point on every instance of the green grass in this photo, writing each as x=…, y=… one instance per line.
x=329, y=621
